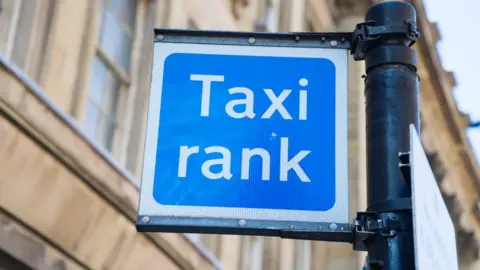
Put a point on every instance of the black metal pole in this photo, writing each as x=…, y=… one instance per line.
x=392, y=104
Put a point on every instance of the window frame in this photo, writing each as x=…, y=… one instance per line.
x=27, y=26
x=127, y=80
x=12, y=28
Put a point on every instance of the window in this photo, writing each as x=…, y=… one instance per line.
x=110, y=70
x=256, y=255
x=302, y=258
x=9, y=20
x=24, y=29
x=268, y=16
x=135, y=144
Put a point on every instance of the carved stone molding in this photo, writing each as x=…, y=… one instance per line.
x=437, y=166
x=344, y=8
x=436, y=36
x=451, y=78
x=467, y=244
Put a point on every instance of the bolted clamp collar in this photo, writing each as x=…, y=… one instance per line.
x=368, y=35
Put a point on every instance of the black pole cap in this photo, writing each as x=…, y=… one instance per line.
x=386, y=24
x=391, y=13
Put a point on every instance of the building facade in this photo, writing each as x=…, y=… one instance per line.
x=74, y=83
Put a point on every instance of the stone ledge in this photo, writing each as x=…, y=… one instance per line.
x=41, y=192
x=25, y=246
x=64, y=143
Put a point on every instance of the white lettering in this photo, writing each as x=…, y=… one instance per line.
x=302, y=114
x=248, y=102
x=277, y=104
x=206, y=86
x=286, y=165
x=185, y=152
x=247, y=154
x=224, y=162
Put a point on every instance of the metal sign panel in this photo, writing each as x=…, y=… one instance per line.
x=246, y=133
x=434, y=234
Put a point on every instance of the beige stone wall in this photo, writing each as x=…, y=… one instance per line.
x=71, y=206
x=53, y=182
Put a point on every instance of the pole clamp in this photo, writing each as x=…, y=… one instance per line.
x=367, y=35
x=370, y=224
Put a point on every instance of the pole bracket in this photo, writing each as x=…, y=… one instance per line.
x=405, y=166
x=370, y=224
x=373, y=264
x=368, y=35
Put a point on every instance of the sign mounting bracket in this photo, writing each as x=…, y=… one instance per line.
x=340, y=40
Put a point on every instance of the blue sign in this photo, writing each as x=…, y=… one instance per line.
x=246, y=132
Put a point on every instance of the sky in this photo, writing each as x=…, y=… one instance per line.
x=459, y=50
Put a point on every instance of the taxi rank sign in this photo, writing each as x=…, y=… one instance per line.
x=246, y=134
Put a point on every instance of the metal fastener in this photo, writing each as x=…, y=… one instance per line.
x=160, y=37
x=333, y=226
x=297, y=38
x=333, y=43
x=251, y=40
x=145, y=219
x=242, y=223
x=323, y=39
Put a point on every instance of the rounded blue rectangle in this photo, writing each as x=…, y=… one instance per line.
x=216, y=108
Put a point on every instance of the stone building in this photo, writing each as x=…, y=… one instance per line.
x=74, y=82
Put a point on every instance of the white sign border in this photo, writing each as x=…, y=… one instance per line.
x=339, y=213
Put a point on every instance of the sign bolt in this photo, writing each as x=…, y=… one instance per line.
x=251, y=40
x=145, y=219
x=242, y=223
x=333, y=43
x=160, y=37
x=333, y=226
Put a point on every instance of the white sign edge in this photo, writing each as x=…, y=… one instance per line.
x=415, y=137
x=149, y=207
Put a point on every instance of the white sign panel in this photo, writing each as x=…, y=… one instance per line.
x=434, y=234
